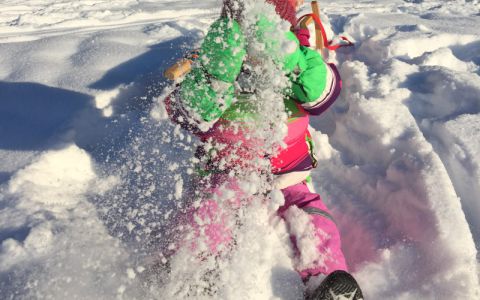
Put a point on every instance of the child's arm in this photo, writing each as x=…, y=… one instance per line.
x=318, y=85
x=208, y=89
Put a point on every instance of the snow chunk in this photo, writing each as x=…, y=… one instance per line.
x=11, y=252
x=104, y=100
x=178, y=189
x=131, y=273
x=57, y=178
x=302, y=228
x=415, y=47
x=444, y=57
x=276, y=200
x=323, y=149
x=355, y=77
x=40, y=239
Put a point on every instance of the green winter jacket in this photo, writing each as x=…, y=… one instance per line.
x=208, y=90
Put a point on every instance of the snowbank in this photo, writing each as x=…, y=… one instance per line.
x=53, y=243
x=393, y=182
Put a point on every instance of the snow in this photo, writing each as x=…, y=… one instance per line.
x=306, y=241
x=91, y=172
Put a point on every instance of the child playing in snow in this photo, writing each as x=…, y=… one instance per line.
x=207, y=104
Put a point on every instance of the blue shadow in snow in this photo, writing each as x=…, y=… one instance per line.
x=150, y=63
x=286, y=283
x=143, y=76
x=468, y=52
x=31, y=113
x=4, y=176
x=18, y=234
x=133, y=139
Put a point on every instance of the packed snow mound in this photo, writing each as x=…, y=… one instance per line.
x=57, y=178
x=50, y=231
x=404, y=85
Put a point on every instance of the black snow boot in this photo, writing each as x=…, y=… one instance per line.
x=338, y=285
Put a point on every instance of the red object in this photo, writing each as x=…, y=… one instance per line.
x=328, y=44
x=292, y=157
x=286, y=10
x=303, y=36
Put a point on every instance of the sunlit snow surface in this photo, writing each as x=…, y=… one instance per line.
x=90, y=172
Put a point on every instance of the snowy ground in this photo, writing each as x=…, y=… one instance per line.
x=87, y=174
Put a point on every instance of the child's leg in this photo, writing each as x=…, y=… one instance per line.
x=313, y=231
x=209, y=232
x=208, y=225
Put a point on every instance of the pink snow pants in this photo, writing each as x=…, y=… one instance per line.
x=328, y=245
x=212, y=231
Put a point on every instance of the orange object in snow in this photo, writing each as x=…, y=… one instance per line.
x=179, y=69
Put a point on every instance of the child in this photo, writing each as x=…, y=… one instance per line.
x=207, y=104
